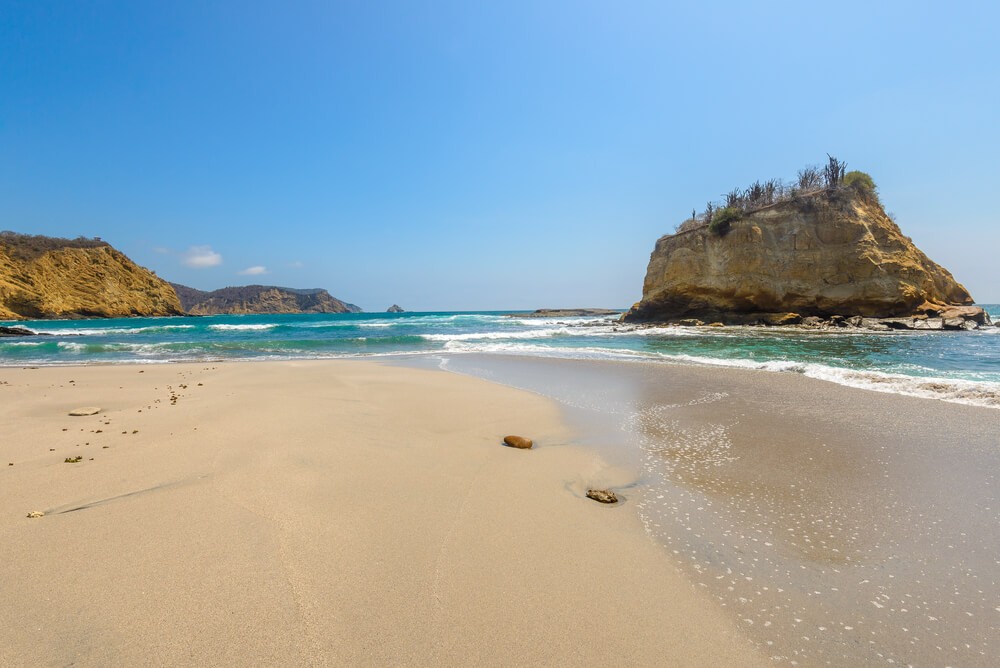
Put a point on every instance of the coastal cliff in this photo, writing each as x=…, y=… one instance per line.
x=832, y=252
x=46, y=277
x=260, y=299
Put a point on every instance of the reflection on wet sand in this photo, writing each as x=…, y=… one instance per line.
x=824, y=534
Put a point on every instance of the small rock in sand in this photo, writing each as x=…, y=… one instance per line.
x=35, y=513
x=86, y=410
x=602, y=495
x=519, y=442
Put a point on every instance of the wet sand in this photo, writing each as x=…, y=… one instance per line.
x=837, y=526
x=324, y=513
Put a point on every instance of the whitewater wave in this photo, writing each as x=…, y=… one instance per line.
x=550, y=332
x=237, y=328
x=970, y=392
x=111, y=331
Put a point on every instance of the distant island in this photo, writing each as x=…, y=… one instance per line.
x=820, y=251
x=395, y=308
x=260, y=299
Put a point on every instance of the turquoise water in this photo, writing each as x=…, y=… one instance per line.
x=958, y=366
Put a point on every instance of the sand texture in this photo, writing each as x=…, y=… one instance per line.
x=322, y=513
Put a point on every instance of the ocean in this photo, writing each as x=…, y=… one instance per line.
x=963, y=367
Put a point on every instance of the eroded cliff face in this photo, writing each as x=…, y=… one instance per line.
x=68, y=282
x=828, y=253
x=250, y=299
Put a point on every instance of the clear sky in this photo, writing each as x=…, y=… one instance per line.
x=472, y=155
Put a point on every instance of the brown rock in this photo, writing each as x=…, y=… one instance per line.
x=519, y=442
x=821, y=254
x=778, y=319
x=86, y=410
x=35, y=514
x=44, y=277
x=602, y=495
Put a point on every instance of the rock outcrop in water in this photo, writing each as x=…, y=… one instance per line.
x=260, y=299
x=831, y=252
x=565, y=313
x=395, y=308
x=46, y=277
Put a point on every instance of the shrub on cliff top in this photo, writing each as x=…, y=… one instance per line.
x=722, y=219
x=861, y=183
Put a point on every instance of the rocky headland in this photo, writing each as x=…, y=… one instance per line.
x=46, y=277
x=825, y=257
x=565, y=313
x=260, y=299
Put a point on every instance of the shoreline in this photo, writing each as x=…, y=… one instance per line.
x=956, y=391
x=322, y=512
x=834, y=525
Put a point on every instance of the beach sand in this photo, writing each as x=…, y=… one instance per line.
x=323, y=513
x=838, y=526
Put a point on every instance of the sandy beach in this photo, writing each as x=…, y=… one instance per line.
x=323, y=513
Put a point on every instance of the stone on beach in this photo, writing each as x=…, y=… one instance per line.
x=519, y=442
x=86, y=410
x=602, y=495
x=35, y=514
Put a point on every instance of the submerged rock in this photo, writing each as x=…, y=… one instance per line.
x=519, y=442
x=602, y=495
x=565, y=313
x=17, y=331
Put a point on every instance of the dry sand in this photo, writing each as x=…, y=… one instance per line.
x=322, y=513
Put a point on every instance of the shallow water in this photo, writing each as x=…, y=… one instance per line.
x=963, y=367
x=838, y=527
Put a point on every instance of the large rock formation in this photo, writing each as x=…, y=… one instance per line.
x=45, y=277
x=260, y=299
x=831, y=252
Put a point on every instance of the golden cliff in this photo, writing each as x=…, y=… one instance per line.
x=827, y=253
x=43, y=277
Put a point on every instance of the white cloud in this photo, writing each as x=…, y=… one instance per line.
x=256, y=270
x=200, y=257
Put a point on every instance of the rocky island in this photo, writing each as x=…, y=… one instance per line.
x=565, y=313
x=260, y=299
x=822, y=252
x=48, y=277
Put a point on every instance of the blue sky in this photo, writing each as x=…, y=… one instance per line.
x=462, y=155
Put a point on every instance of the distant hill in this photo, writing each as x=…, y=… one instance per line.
x=260, y=299
x=49, y=277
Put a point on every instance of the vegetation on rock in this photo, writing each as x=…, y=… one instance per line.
x=738, y=202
